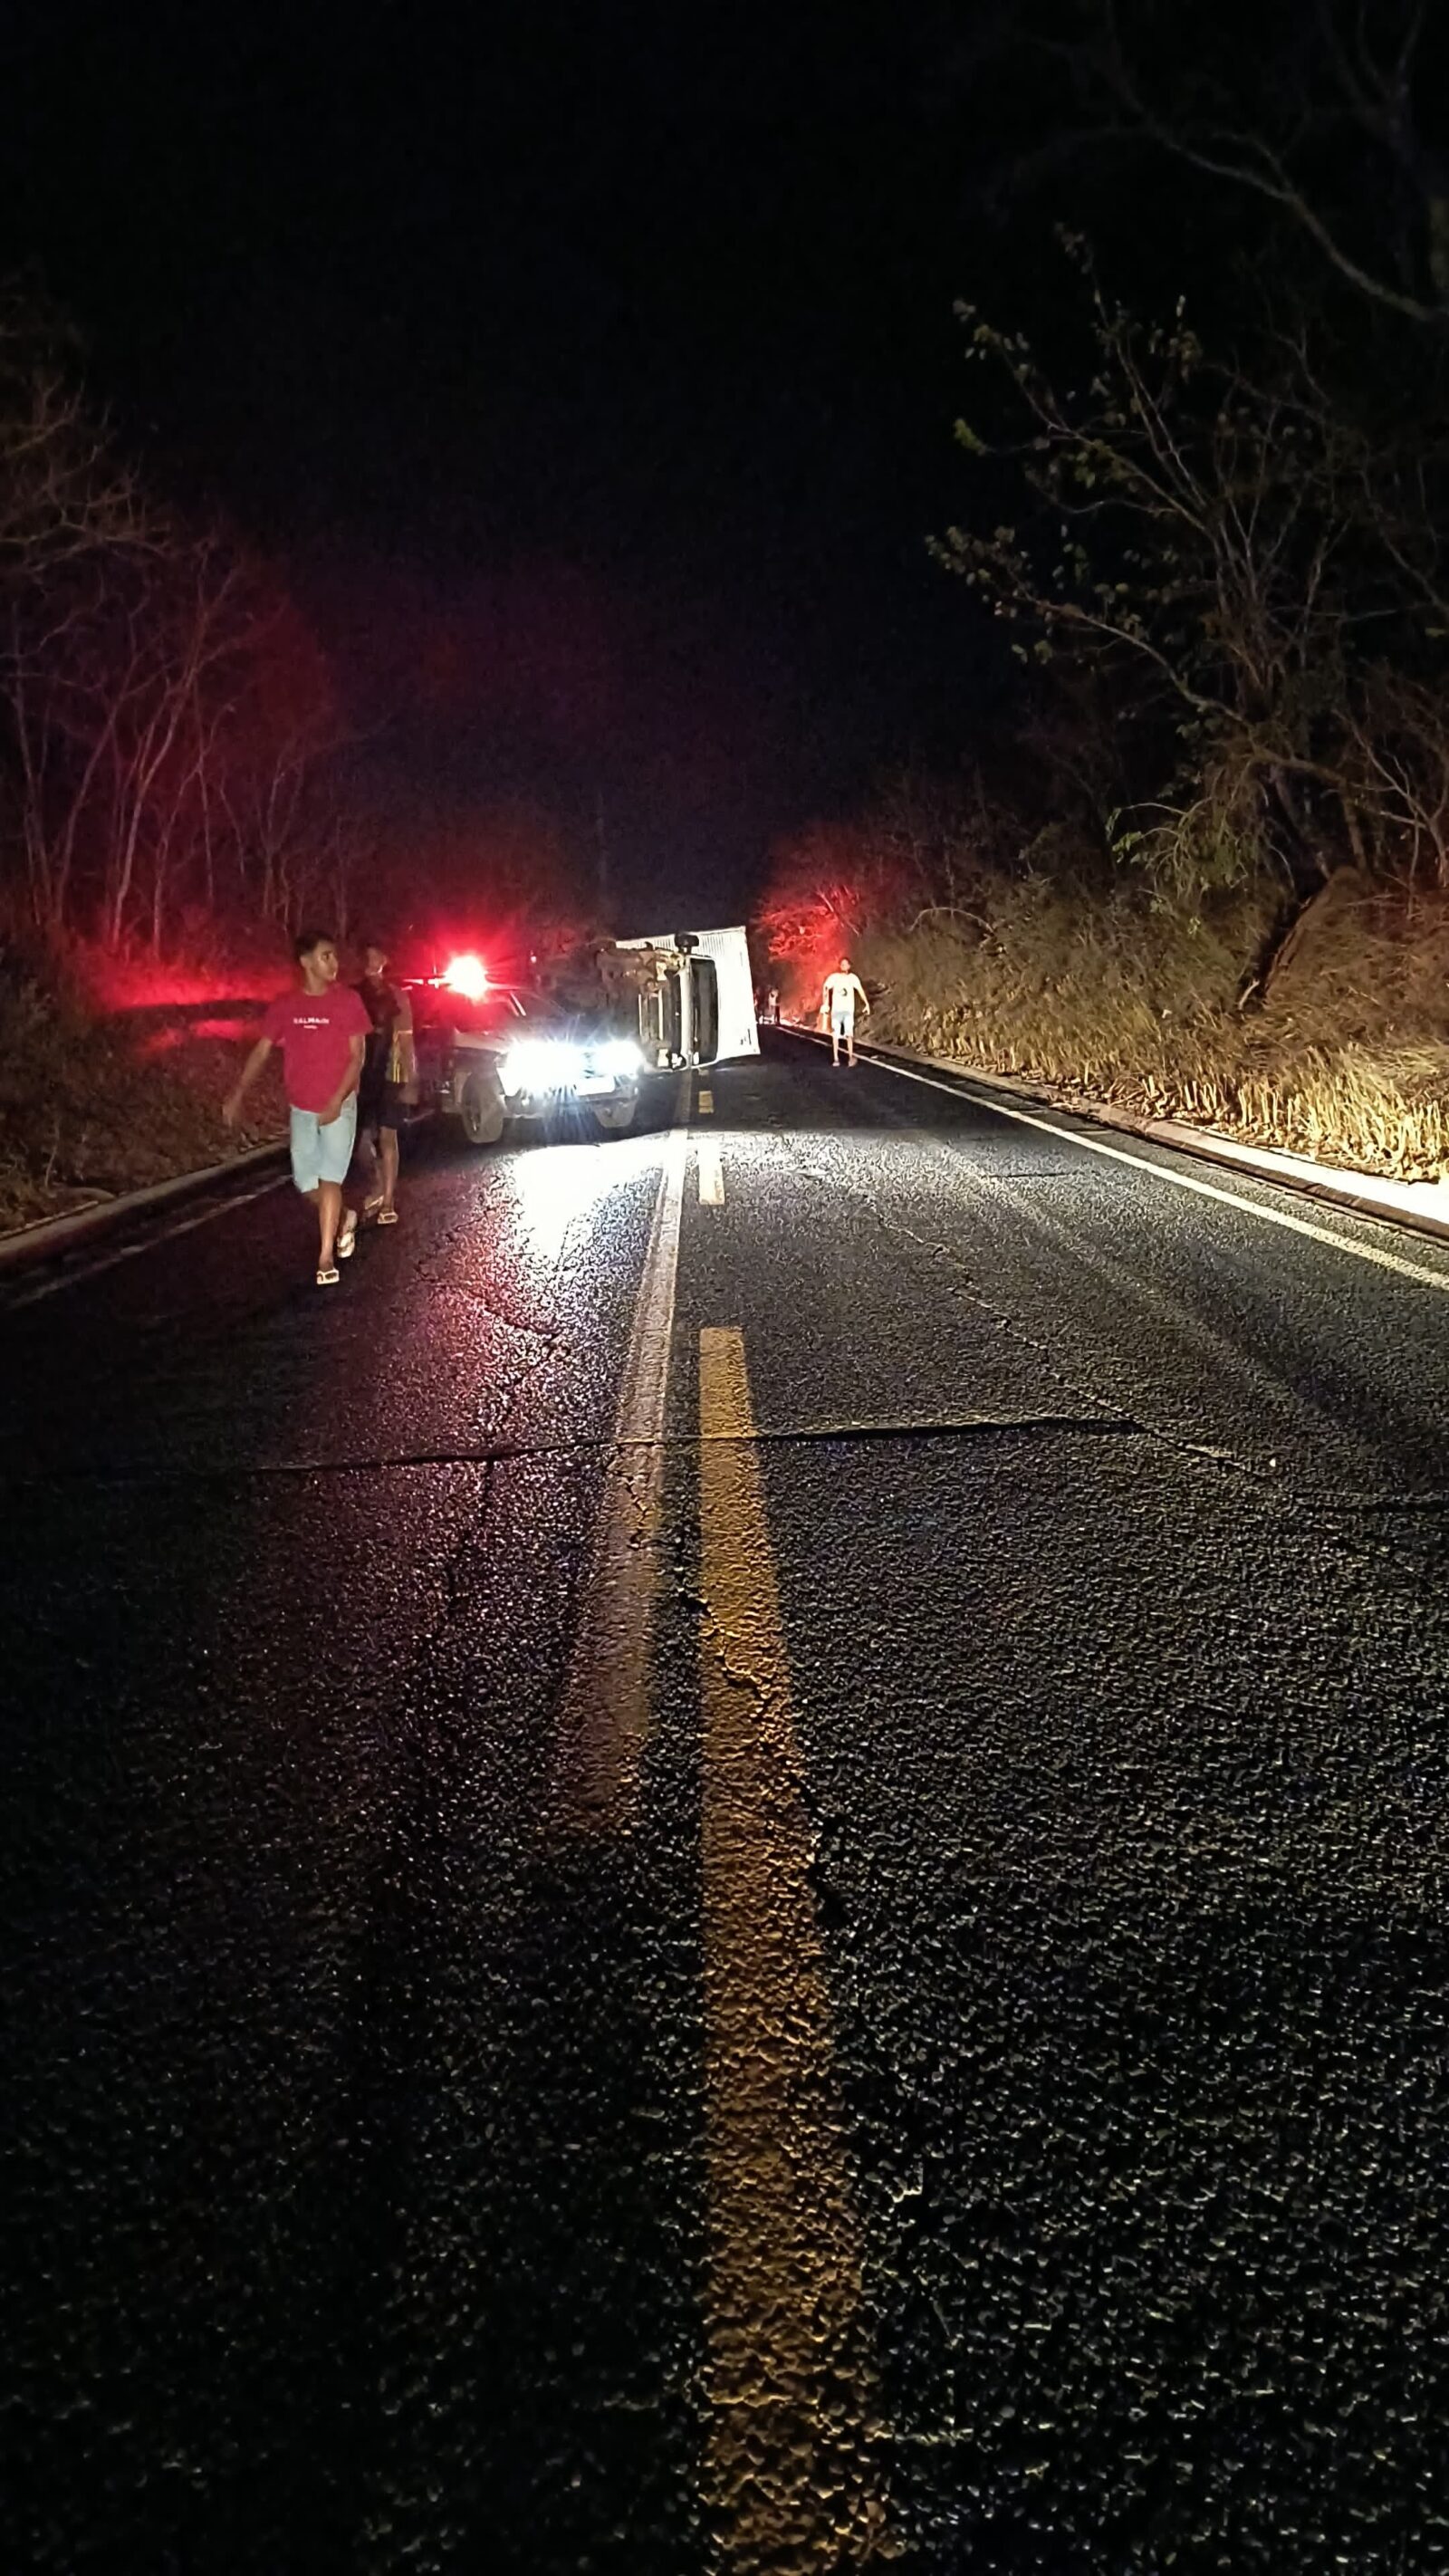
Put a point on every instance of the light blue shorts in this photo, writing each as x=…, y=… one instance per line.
x=322, y=1153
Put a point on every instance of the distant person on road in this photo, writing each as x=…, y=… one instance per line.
x=772, y=1006
x=842, y=991
x=389, y=1078
x=322, y=1032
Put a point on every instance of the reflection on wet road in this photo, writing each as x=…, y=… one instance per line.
x=741, y=1868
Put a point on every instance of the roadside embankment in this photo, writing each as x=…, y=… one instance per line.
x=1334, y=1049
x=98, y=1101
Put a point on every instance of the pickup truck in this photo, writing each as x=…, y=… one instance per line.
x=510, y=1059
x=498, y=1057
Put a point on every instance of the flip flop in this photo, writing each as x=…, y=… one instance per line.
x=347, y=1239
x=328, y=1278
x=387, y=1216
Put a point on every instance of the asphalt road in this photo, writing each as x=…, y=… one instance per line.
x=854, y=1976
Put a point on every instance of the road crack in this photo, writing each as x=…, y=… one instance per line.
x=907, y=1430
x=1099, y=1415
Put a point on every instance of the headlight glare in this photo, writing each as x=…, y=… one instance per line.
x=537, y=1064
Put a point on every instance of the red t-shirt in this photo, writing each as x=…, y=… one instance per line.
x=314, y=1031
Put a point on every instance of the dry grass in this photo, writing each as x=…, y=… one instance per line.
x=1346, y=1060
x=94, y=1103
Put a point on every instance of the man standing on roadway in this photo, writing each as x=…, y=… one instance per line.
x=322, y=1032
x=842, y=991
x=388, y=1076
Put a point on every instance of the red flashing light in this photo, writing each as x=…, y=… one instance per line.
x=468, y=976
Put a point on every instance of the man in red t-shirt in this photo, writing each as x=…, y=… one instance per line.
x=322, y=1032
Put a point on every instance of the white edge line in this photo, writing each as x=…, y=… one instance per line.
x=54, y=1235
x=1180, y=1180
x=150, y=1242
x=73, y=1279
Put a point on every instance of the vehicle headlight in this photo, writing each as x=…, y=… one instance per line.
x=622, y=1057
x=537, y=1064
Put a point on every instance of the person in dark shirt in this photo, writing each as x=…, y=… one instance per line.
x=389, y=1078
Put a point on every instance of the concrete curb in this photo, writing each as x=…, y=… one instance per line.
x=52, y=1234
x=1421, y=1206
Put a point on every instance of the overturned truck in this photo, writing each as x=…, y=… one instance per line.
x=592, y=1036
x=693, y=995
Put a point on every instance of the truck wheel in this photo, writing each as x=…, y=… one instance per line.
x=481, y=1111
x=614, y=1117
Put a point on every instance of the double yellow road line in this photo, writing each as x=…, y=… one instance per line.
x=794, y=2472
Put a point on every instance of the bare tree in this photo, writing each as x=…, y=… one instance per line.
x=1322, y=123
x=1251, y=566
x=173, y=749
x=64, y=491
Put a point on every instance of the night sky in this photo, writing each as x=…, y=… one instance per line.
x=590, y=367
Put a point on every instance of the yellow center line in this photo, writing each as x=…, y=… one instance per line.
x=711, y=1173
x=604, y=1722
x=706, y=1104
x=794, y=2474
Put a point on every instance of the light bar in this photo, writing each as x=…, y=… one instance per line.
x=466, y=975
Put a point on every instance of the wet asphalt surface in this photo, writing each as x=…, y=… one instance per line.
x=356, y=2183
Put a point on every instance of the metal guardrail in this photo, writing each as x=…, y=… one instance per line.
x=53, y=1234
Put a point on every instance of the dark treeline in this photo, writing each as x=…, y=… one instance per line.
x=172, y=760
x=1193, y=854
x=1204, y=487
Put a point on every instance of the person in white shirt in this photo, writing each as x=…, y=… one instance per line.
x=843, y=990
